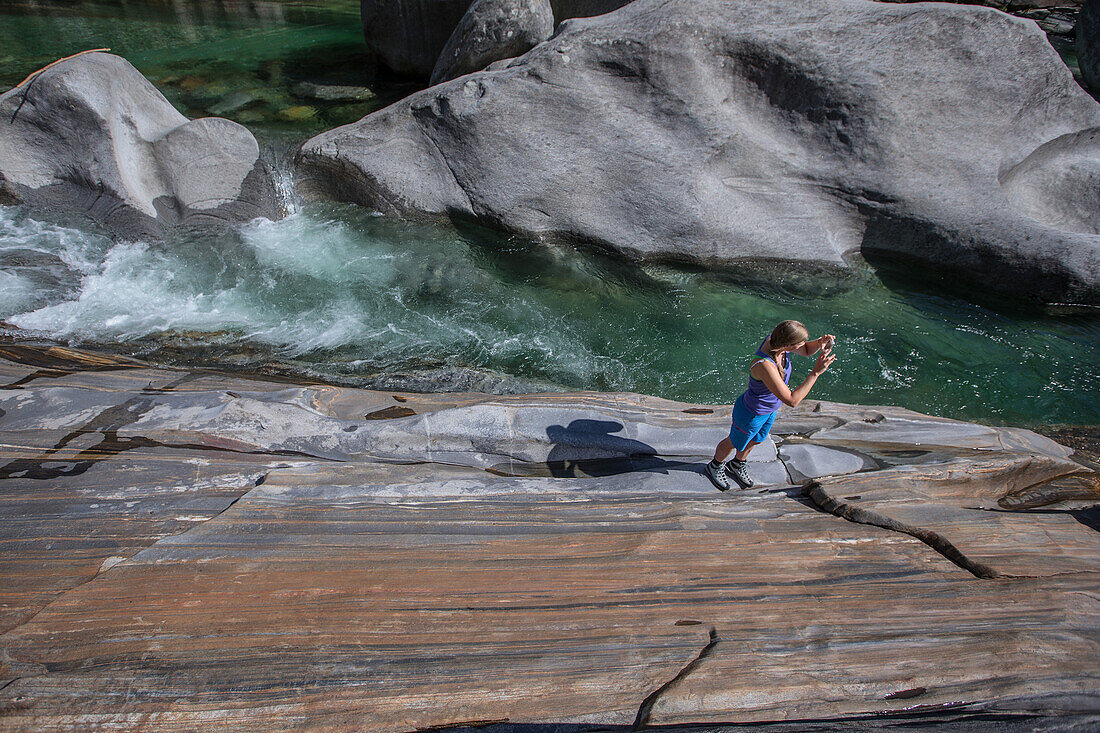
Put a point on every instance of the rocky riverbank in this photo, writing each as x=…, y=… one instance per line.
x=181, y=547
x=752, y=136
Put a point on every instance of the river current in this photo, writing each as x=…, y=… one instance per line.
x=339, y=293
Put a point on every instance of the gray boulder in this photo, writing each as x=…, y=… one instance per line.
x=1088, y=44
x=492, y=30
x=93, y=136
x=750, y=132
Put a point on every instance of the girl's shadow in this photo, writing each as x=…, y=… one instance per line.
x=576, y=444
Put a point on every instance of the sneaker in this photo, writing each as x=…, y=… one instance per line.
x=718, y=476
x=739, y=472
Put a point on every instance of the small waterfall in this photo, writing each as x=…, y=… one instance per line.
x=285, y=191
x=278, y=153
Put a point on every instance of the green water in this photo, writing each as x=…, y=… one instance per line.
x=243, y=60
x=338, y=293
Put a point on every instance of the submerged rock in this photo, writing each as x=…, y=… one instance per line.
x=298, y=113
x=333, y=92
x=350, y=554
x=720, y=132
x=233, y=102
x=92, y=135
x=492, y=30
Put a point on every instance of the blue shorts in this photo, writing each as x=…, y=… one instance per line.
x=747, y=427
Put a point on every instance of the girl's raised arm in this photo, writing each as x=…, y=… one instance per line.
x=812, y=347
x=768, y=373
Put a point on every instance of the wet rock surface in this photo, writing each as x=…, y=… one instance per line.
x=93, y=137
x=276, y=555
x=752, y=132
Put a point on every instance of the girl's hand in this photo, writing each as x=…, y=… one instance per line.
x=824, y=361
x=827, y=342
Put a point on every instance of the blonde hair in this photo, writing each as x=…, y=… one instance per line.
x=787, y=333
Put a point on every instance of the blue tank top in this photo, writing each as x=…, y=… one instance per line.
x=758, y=399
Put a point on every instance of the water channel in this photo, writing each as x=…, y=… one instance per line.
x=338, y=293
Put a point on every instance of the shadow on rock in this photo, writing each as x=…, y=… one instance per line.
x=587, y=448
x=1090, y=517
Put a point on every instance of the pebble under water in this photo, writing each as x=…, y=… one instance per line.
x=338, y=293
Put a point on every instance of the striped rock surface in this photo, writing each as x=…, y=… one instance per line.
x=186, y=549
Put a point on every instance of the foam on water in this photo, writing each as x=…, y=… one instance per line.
x=340, y=293
x=307, y=284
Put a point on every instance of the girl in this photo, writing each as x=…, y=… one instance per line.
x=754, y=411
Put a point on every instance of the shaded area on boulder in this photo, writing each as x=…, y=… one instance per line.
x=408, y=36
x=412, y=37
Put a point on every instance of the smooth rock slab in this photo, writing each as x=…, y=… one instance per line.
x=438, y=612
x=813, y=461
x=177, y=561
x=958, y=508
x=86, y=511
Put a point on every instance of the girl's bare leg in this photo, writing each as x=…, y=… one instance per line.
x=724, y=450
x=743, y=454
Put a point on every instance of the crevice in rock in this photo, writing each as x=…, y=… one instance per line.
x=226, y=508
x=39, y=374
x=644, y=710
x=22, y=101
x=936, y=541
x=99, y=573
x=390, y=413
x=465, y=724
x=110, y=446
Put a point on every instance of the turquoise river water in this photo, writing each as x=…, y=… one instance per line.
x=339, y=293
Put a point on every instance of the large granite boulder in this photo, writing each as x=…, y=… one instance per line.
x=259, y=552
x=492, y=30
x=91, y=135
x=1088, y=44
x=731, y=132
